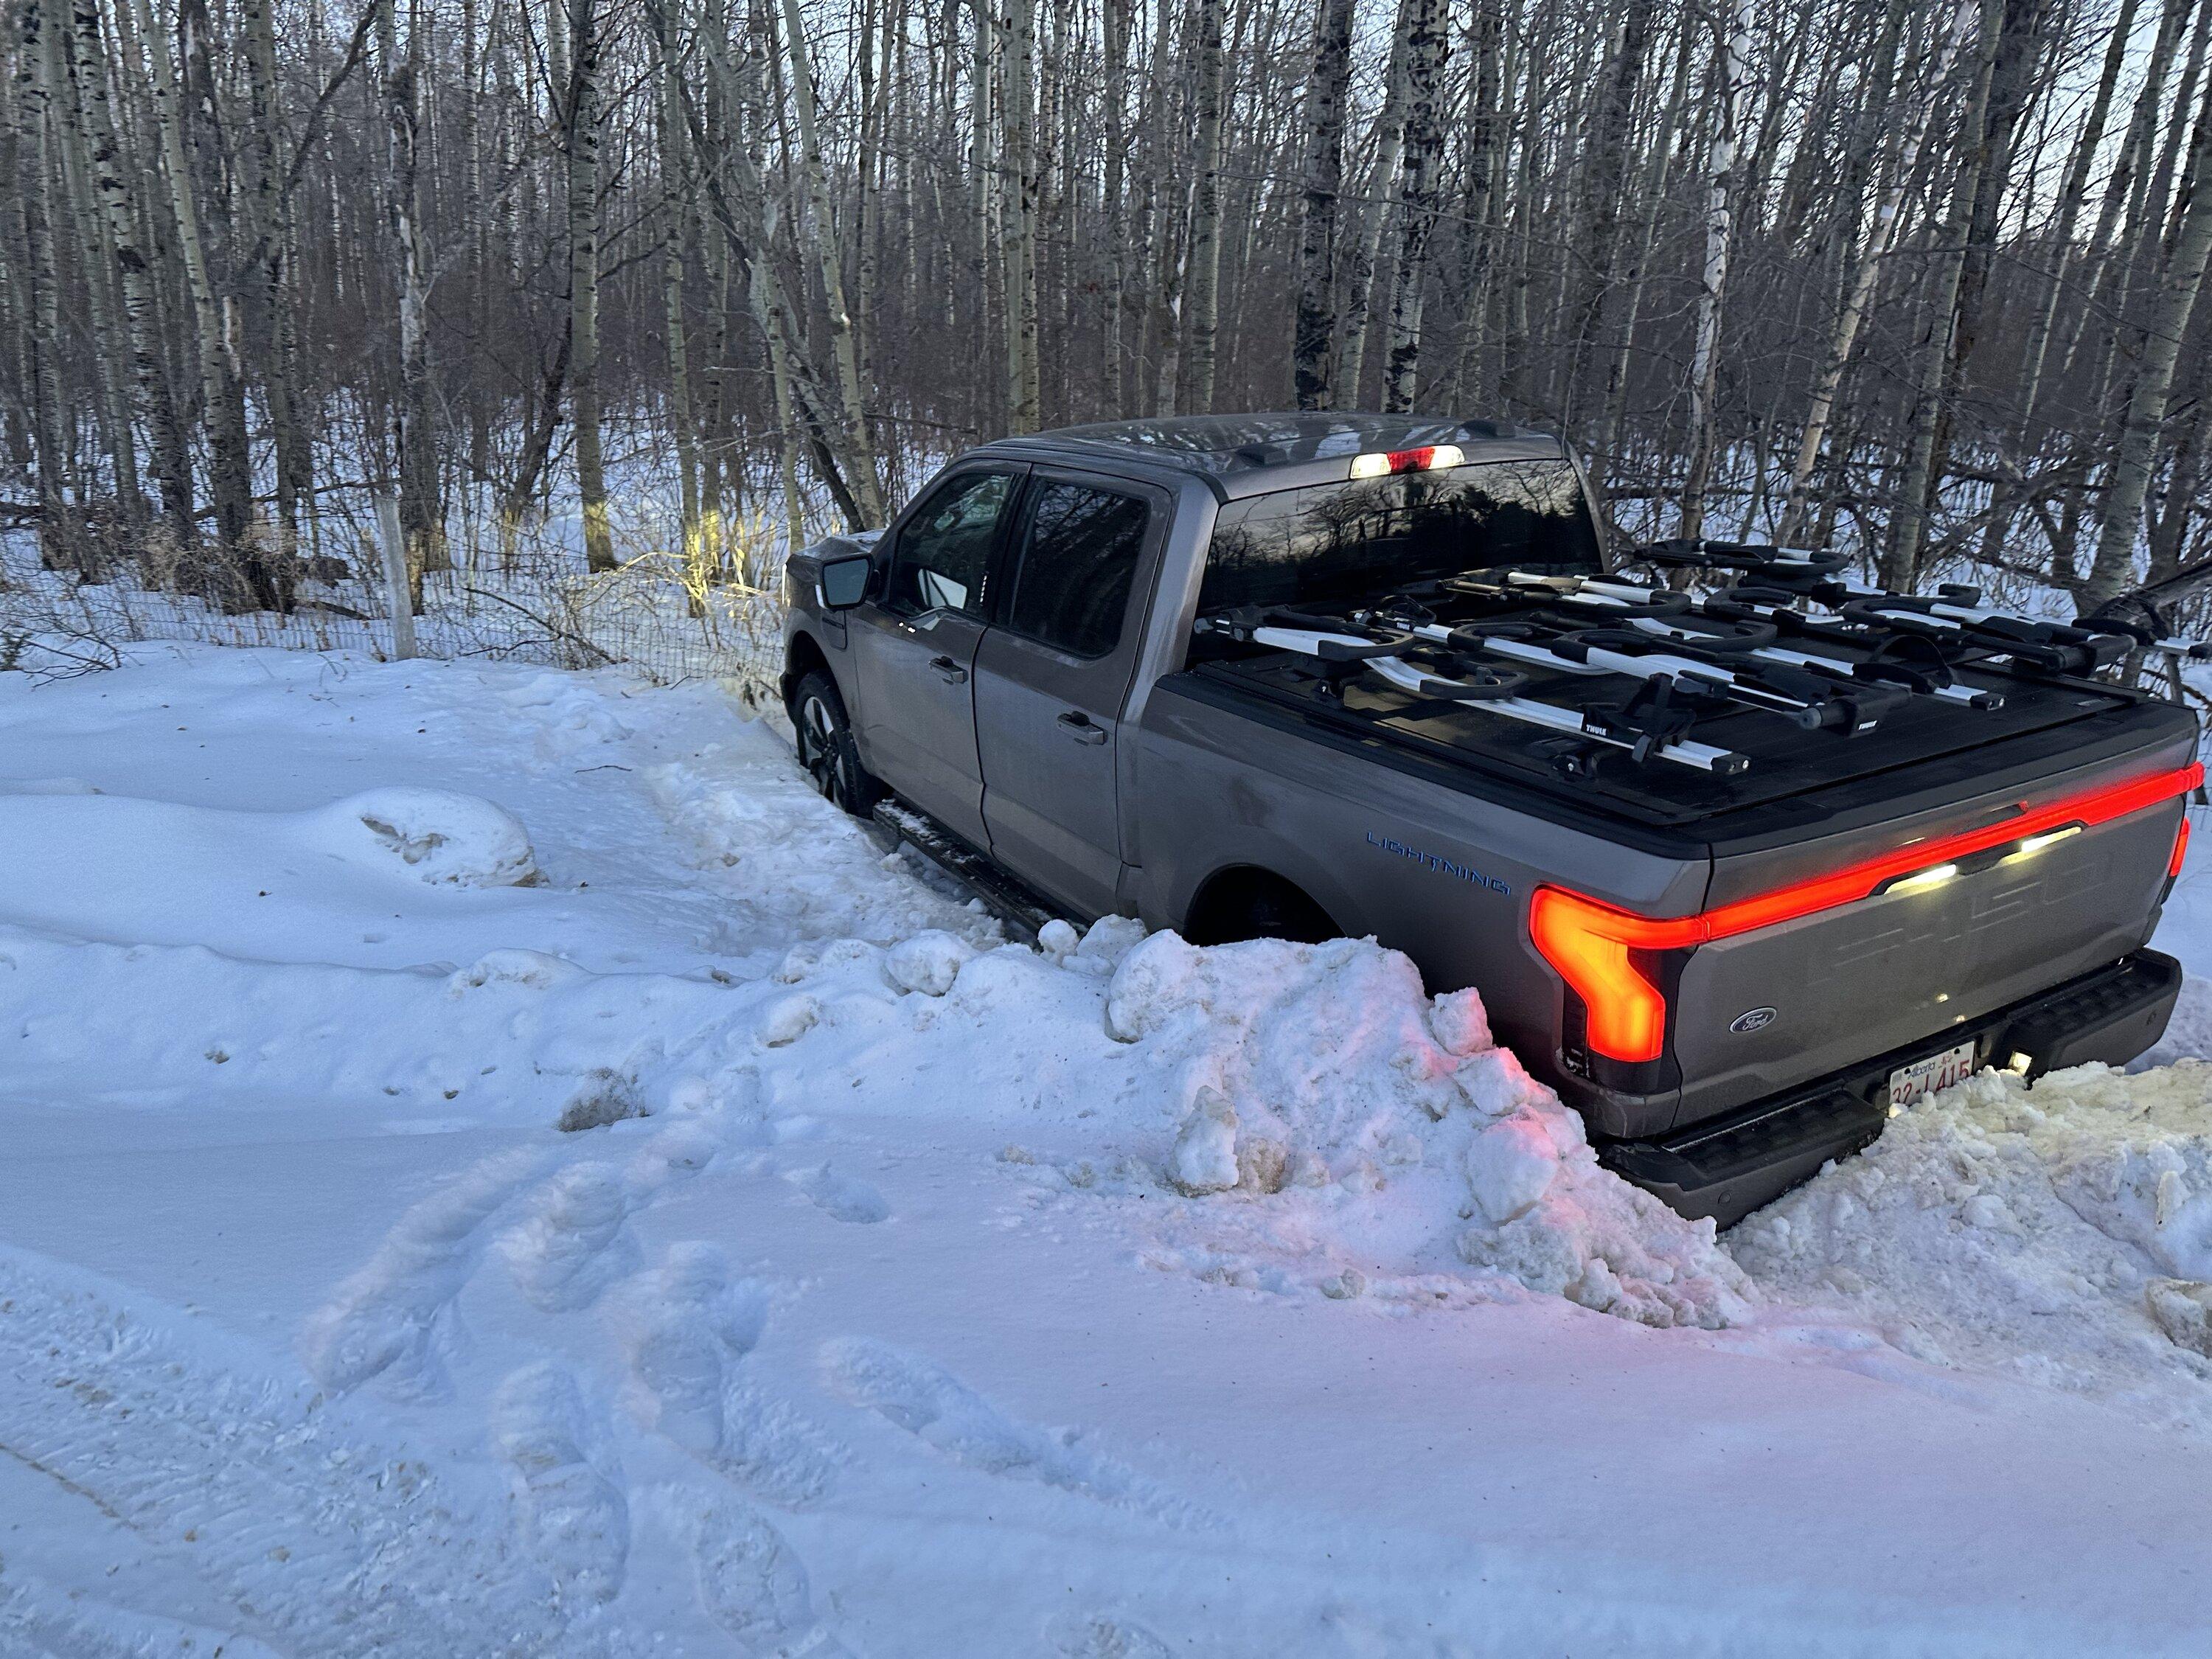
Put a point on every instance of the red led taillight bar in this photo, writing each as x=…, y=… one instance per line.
x=1589, y=942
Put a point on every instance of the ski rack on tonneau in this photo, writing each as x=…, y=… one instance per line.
x=1653, y=723
x=1756, y=644
x=1775, y=582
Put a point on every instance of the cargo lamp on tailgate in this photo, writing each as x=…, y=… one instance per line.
x=1603, y=953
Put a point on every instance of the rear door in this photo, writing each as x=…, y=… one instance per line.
x=1054, y=673
x=914, y=649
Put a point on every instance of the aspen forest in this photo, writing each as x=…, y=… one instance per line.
x=1916, y=281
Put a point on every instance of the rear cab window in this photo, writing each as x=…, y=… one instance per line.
x=1328, y=543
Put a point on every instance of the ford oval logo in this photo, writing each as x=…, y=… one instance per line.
x=1752, y=1019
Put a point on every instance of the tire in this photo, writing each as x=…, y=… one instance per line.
x=826, y=752
x=1264, y=906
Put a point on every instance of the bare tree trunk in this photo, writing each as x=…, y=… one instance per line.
x=581, y=124
x=1608, y=174
x=986, y=179
x=1916, y=491
x=2121, y=519
x=2071, y=194
x=858, y=443
x=1720, y=189
x=1472, y=289
x=1205, y=306
x=1604, y=456
x=221, y=383
x=271, y=220
x=1024, y=399
x=675, y=206
x=1120, y=16
x=422, y=512
x=1428, y=47
x=1390, y=132
x=1880, y=235
x=1165, y=280
x=59, y=529
x=141, y=304
x=1311, y=346
x=96, y=265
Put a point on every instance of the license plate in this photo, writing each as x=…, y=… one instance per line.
x=1922, y=1078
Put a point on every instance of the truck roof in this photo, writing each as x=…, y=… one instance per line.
x=1254, y=454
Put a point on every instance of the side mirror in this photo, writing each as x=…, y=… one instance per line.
x=845, y=582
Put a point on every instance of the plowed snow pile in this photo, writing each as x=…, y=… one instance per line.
x=1326, y=1126
x=2061, y=1231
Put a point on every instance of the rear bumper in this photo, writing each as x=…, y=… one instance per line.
x=1728, y=1166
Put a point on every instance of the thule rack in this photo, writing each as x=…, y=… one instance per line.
x=1779, y=583
x=1905, y=663
x=1437, y=664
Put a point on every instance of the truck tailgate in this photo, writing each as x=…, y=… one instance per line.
x=1963, y=909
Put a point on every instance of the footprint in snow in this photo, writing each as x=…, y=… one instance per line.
x=390, y=1318
x=572, y=1245
x=840, y=1196
x=937, y=1409
x=1095, y=1636
x=576, y=1521
x=685, y=1326
x=752, y=1585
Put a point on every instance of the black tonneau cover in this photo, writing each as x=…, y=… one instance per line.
x=1795, y=777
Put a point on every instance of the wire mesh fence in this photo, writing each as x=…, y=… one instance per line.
x=711, y=608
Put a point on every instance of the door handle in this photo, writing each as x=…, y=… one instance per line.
x=1079, y=726
x=949, y=671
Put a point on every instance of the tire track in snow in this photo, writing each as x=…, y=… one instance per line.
x=325, y=1540
x=42, y=1620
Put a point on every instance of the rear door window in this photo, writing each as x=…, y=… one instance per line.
x=1357, y=540
x=944, y=550
x=1079, y=562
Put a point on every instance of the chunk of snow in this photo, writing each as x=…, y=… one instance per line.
x=928, y=962
x=1511, y=1165
x=441, y=837
x=1460, y=1021
x=1205, y=1156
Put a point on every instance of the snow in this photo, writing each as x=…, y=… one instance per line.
x=2060, y=1230
x=497, y=1165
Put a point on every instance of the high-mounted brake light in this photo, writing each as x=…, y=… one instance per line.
x=1381, y=465
x=1596, y=948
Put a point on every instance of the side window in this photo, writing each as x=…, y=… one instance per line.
x=946, y=549
x=1079, y=561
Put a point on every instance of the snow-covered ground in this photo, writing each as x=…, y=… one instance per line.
x=493, y=1165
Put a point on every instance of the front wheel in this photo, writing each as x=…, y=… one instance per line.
x=826, y=748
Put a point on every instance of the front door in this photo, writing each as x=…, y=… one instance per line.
x=914, y=649
x=1052, y=678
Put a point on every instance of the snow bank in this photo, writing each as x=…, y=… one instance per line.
x=1322, y=1110
x=2062, y=1231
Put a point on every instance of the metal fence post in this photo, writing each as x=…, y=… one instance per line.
x=393, y=545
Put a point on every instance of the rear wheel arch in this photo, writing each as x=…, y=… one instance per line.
x=1248, y=901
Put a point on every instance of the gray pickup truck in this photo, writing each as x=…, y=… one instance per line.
x=1743, y=856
